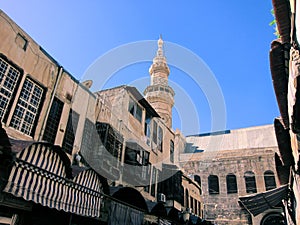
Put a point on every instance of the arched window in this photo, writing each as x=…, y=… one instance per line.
x=250, y=182
x=213, y=184
x=187, y=198
x=231, y=184
x=269, y=178
x=198, y=180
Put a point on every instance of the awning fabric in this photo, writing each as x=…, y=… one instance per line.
x=41, y=174
x=258, y=203
x=164, y=222
x=122, y=214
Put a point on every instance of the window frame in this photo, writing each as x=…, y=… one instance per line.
x=231, y=183
x=160, y=136
x=197, y=178
x=153, y=182
x=53, y=120
x=135, y=109
x=3, y=90
x=250, y=182
x=269, y=177
x=70, y=132
x=28, y=107
x=147, y=126
x=172, y=156
x=154, y=131
x=213, y=184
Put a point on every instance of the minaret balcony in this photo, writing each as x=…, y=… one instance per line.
x=159, y=88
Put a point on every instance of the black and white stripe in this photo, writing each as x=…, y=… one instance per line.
x=39, y=175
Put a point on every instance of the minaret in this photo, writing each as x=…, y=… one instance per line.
x=159, y=93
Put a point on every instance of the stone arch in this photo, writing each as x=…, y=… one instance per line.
x=130, y=195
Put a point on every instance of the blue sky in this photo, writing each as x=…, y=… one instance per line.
x=231, y=37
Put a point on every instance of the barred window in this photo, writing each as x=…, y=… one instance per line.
x=231, y=184
x=269, y=178
x=70, y=132
x=172, y=151
x=53, y=121
x=9, y=77
x=27, y=108
x=250, y=182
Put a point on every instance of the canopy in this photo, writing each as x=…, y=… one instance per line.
x=258, y=203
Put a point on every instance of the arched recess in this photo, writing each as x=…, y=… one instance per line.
x=273, y=218
x=131, y=196
x=129, y=207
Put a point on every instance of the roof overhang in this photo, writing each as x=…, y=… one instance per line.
x=137, y=95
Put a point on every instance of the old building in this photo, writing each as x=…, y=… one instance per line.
x=284, y=65
x=62, y=145
x=229, y=165
x=42, y=116
x=148, y=151
x=117, y=149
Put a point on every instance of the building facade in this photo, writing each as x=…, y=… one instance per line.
x=229, y=165
x=115, y=138
x=146, y=172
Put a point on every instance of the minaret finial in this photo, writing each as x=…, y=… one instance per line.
x=160, y=43
x=159, y=61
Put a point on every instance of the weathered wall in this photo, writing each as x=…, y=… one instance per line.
x=34, y=63
x=223, y=207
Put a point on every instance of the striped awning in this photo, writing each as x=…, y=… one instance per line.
x=41, y=173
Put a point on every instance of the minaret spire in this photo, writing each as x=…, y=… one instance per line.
x=160, y=42
x=159, y=66
x=159, y=93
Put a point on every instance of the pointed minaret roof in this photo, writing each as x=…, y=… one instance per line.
x=159, y=94
x=159, y=62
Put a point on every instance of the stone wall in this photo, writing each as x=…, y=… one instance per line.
x=224, y=207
